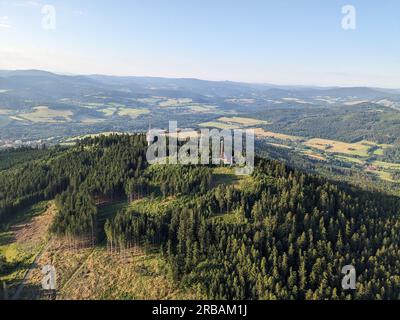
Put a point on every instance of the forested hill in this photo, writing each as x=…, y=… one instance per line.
x=279, y=234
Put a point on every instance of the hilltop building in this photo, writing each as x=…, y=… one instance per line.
x=225, y=158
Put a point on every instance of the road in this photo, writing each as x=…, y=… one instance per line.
x=33, y=266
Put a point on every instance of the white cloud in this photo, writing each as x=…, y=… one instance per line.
x=22, y=3
x=5, y=23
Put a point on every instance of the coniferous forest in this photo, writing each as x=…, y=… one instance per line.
x=281, y=234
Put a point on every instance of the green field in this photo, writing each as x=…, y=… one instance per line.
x=109, y=111
x=350, y=159
x=331, y=146
x=132, y=113
x=180, y=102
x=359, y=155
x=245, y=122
x=203, y=108
x=218, y=125
x=47, y=115
x=261, y=133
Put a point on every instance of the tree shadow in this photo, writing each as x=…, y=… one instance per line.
x=6, y=238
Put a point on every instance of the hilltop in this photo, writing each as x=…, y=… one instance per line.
x=118, y=228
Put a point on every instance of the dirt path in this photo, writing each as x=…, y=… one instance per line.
x=33, y=233
x=28, y=272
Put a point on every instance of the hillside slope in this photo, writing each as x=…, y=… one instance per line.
x=122, y=226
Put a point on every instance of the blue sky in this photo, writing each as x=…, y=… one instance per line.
x=283, y=42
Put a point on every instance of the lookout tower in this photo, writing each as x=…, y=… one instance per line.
x=225, y=158
x=149, y=136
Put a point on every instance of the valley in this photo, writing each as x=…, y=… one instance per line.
x=78, y=194
x=352, y=128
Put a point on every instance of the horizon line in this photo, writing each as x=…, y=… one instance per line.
x=71, y=74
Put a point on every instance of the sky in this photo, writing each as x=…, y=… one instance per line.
x=297, y=42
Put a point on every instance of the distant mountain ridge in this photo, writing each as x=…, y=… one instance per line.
x=48, y=85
